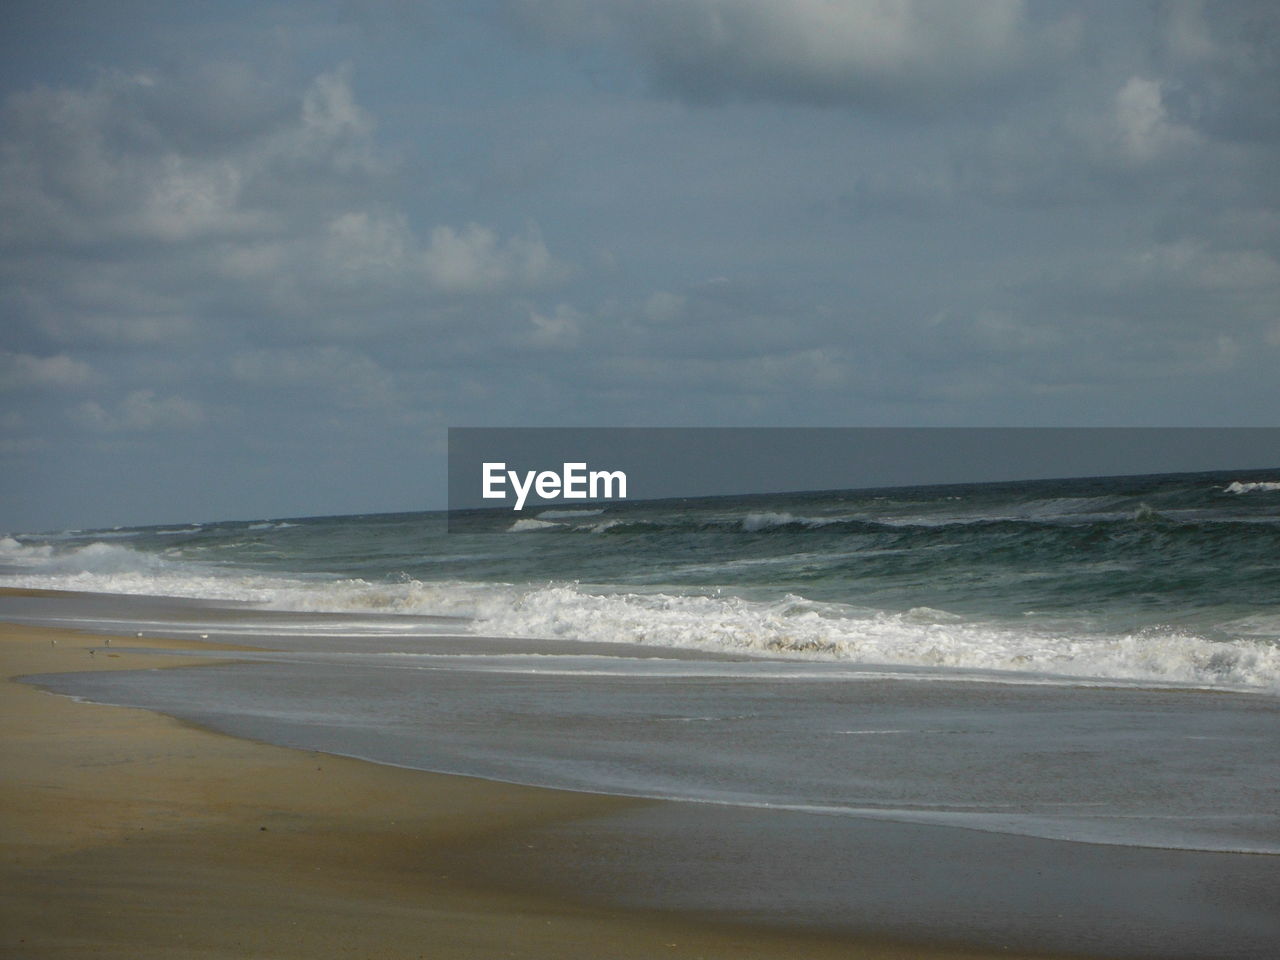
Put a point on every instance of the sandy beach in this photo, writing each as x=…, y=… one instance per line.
x=131, y=834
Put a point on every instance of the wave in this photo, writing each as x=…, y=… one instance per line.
x=111, y=568
x=796, y=627
x=762, y=521
x=755, y=522
x=13, y=551
x=606, y=525
x=1087, y=522
x=103, y=567
x=791, y=627
x=1259, y=486
x=1102, y=563
x=529, y=524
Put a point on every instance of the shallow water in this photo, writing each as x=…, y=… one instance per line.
x=1011, y=753
x=1092, y=660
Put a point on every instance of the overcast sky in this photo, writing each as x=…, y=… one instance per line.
x=256, y=257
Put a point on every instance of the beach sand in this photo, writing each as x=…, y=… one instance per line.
x=131, y=834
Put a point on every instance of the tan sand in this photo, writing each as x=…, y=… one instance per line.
x=133, y=835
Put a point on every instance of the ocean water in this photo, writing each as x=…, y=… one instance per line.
x=1092, y=660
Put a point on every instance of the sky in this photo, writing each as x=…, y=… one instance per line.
x=256, y=258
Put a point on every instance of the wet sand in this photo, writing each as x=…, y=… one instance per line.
x=130, y=834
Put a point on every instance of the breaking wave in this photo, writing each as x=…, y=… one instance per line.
x=1147, y=580
x=1259, y=486
x=792, y=627
x=796, y=627
x=529, y=524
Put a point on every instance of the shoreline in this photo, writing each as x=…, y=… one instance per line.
x=129, y=833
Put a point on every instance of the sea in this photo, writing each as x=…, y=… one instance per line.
x=1087, y=660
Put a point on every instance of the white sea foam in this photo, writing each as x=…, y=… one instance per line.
x=102, y=567
x=795, y=627
x=113, y=568
x=12, y=551
x=1259, y=486
x=753, y=522
x=604, y=525
x=115, y=534
x=763, y=521
x=790, y=627
x=529, y=524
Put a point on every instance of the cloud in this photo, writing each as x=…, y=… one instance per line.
x=127, y=158
x=811, y=51
x=140, y=411
x=663, y=307
x=334, y=375
x=363, y=249
x=914, y=211
x=68, y=178
x=561, y=327
x=474, y=259
x=20, y=371
x=1145, y=129
x=156, y=208
x=142, y=329
x=1226, y=57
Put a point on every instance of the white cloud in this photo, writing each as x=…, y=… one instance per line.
x=115, y=161
x=140, y=411
x=809, y=50
x=156, y=208
x=333, y=122
x=1143, y=123
x=560, y=328
x=474, y=259
x=367, y=243
x=362, y=248
x=21, y=370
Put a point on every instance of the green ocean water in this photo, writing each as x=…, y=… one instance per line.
x=1171, y=577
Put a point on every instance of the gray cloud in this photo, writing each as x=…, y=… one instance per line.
x=327, y=238
x=329, y=375
x=21, y=370
x=1226, y=57
x=890, y=52
x=139, y=411
x=150, y=210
